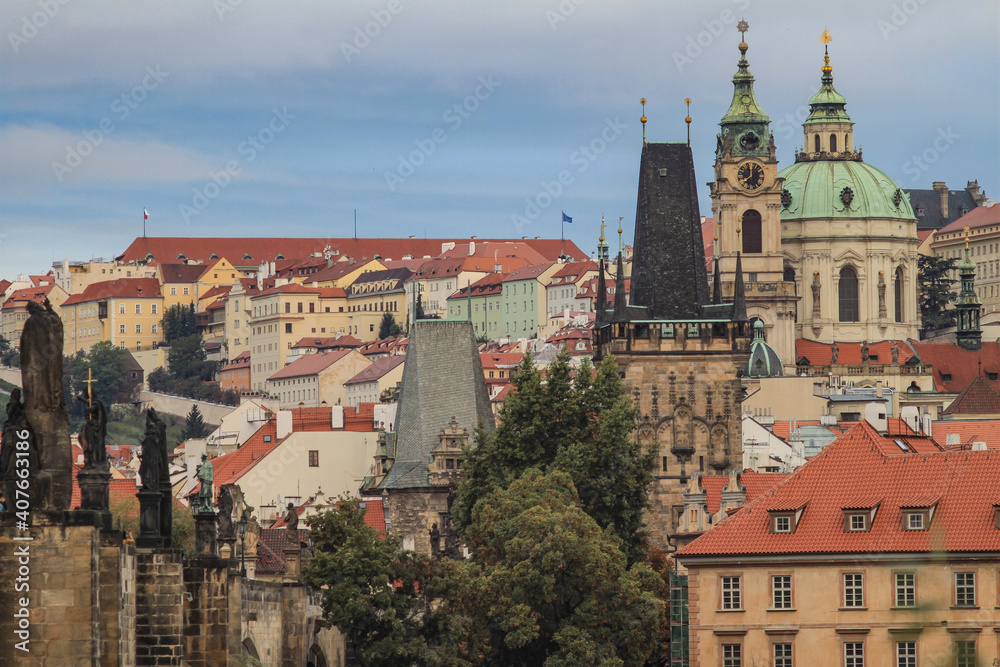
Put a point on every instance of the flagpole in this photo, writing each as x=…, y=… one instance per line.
x=143, y=223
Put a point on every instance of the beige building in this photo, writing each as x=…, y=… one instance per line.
x=983, y=224
x=75, y=276
x=316, y=379
x=126, y=312
x=15, y=308
x=367, y=386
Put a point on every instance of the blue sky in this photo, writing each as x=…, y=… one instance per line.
x=446, y=118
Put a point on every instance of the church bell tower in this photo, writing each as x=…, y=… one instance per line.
x=746, y=204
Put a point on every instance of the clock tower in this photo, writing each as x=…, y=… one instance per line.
x=746, y=203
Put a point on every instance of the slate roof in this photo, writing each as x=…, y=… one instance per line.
x=377, y=370
x=979, y=398
x=930, y=202
x=668, y=270
x=442, y=379
x=963, y=486
x=122, y=288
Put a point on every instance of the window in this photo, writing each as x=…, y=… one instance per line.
x=897, y=289
x=781, y=523
x=854, y=595
x=848, y=292
x=732, y=655
x=854, y=654
x=288, y=307
x=906, y=654
x=173, y=291
x=121, y=309
x=915, y=521
x=781, y=591
x=731, y=593
x=833, y=143
x=371, y=327
x=965, y=654
x=299, y=306
x=906, y=589
x=965, y=589
x=782, y=655
x=187, y=290
x=122, y=345
x=152, y=309
x=138, y=328
x=313, y=458
x=121, y=328
x=857, y=522
x=288, y=327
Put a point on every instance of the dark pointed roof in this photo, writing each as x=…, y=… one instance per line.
x=442, y=379
x=602, y=296
x=979, y=398
x=621, y=308
x=668, y=270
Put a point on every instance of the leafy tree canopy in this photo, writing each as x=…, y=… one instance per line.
x=388, y=328
x=934, y=292
x=178, y=322
x=580, y=426
x=108, y=367
x=187, y=359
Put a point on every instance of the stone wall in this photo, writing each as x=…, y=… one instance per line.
x=412, y=513
x=117, y=600
x=207, y=622
x=180, y=406
x=56, y=572
x=159, y=607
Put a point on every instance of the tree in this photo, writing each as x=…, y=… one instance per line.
x=9, y=355
x=178, y=322
x=935, y=292
x=371, y=589
x=194, y=426
x=576, y=425
x=388, y=328
x=187, y=360
x=549, y=587
x=419, y=314
x=106, y=365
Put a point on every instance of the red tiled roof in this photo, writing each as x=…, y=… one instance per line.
x=385, y=346
x=337, y=270
x=310, y=364
x=36, y=294
x=377, y=370
x=527, y=272
x=968, y=431
x=312, y=419
x=519, y=252
x=271, y=549
x=862, y=463
x=500, y=359
x=572, y=271
x=216, y=291
x=328, y=343
x=948, y=359
x=849, y=354
x=228, y=468
x=486, y=286
x=981, y=216
x=122, y=288
x=755, y=484
x=360, y=419
x=118, y=490
x=979, y=398
x=181, y=273
x=242, y=360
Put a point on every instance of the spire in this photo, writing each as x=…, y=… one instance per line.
x=716, y=282
x=827, y=105
x=739, y=292
x=744, y=107
x=621, y=310
x=602, y=293
x=969, y=334
x=642, y=119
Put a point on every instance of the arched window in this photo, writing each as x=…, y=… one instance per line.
x=816, y=142
x=752, y=241
x=897, y=291
x=833, y=143
x=848, y=295
x=789, y=276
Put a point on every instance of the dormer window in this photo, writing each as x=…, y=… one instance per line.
x=945, y=377
x=915, y=521
x=782, y=524
x=859, y=516
x=786, y=519
x=917, y=515
x=857, y=522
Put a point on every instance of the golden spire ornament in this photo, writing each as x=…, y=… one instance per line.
x=826, y=39
x=642, y=120
x=687, y=119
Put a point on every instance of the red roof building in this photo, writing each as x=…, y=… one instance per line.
x=236, y=374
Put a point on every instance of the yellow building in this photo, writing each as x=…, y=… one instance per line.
x=184, y=283
x=882, y=550
x=372, y=295
x=126, y=312
x=74, y=277
x=342, y=273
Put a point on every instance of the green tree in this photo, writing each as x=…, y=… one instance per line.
x=178, y=322
x=934, y=292
x=419, y=314
x=9, y=355
x=388, y=328
x=549, y=587
x=580, y=426
x=194, y=426
x=187, y=360
x=106, y=365
x=371, y=589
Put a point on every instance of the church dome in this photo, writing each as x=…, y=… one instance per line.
x=838, y=188
x=764, y=361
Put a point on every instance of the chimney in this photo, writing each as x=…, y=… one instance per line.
x=972, y=187
x=472, y=247
x=942, y=189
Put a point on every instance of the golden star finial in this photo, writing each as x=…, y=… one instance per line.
x=966, y=230
x=742, y=26
x=826, y=38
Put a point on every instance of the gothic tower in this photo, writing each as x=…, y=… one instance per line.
x=746, y=204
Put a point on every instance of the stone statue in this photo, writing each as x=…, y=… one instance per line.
x=151, y=468
x=882, y=312
x=292, y=521
x=253, y=534
x=816, y=290
x=895, y=353
x=15, y=429
x=94, y=434
x=225, y=515
x=865, y=356
x=203, y=502
x=435, y=540
x=45, y=406
x=834, y=353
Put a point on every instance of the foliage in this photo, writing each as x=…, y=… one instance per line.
x=107, y=366
x=934, y=292
x=187, y=359
x=125, y=513
x=577, y=425
x=190, y=374
x=388, y=328
x=178, y=322
x=420, y=314
x=127, y=426
x=370, y=587
x=9, y=355
x=194, y=426
x=550, y=587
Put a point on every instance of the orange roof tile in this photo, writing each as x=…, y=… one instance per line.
x=981, y=216
x=979, y=398
x=310, y=364
x=849, y=354
x=956, y=367
x=862, y=463
x=377, y=370
x=122, y=288
x=181, y=273
x=36, y=294
x=968, y=432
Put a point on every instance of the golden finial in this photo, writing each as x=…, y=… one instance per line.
x=687, y=119
x=743, y=26
x=826, y=39
x=966, y=230
x=602, y=226
x=619, y=240
x=642, y=120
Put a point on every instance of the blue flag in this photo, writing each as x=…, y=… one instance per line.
x=566, y=218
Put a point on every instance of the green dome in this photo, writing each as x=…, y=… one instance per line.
x=764, y=361
x=841, y=189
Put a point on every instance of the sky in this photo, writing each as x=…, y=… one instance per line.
x=443, y=118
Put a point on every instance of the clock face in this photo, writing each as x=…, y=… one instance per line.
x=750, y=175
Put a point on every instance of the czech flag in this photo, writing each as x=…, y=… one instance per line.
x=145, y=214
x=566, y=218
